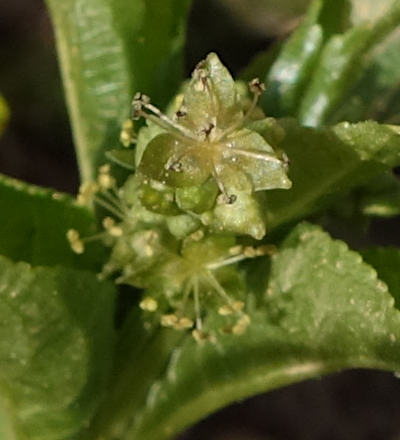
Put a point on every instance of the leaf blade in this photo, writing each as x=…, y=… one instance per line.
x=56, y=338
x=104, y=58
x=327, y=161
x=306, y=329
x=35, y=224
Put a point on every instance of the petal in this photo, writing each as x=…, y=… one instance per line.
x=211, y=96
x=169, y=161
x=252, y=154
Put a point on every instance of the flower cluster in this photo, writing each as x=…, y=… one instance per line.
x=177, y=226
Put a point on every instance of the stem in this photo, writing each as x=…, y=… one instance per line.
x=109, y=207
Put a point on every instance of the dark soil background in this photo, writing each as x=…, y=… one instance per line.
x=37, y=147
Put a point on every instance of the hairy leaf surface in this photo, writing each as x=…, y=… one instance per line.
x=324, y=310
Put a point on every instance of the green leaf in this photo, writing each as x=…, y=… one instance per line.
x=340, y=66
x=328, y=161
x=376, y=94
x=324, y=310
x=324, y=59
x=386, y=261
x=35, y=222
x=108, y=49
x=56, y=337
x=291, y=72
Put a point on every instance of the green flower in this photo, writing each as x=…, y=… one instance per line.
x=210, y=136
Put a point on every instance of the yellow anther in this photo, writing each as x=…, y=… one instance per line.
x=86, y=192
x=183, y=324
x=169, y=320
x=267, y=249
x=240, y=327
x=108, y=222
x=105, y=181
x=236, y=250
x=148, y=304
x=126, y=135
x=75, y=242
x=105, y=169
x=197, y=235
x=148, y=251
x=110, y=226
x=238, y=306
x=199, y=336
x=249, y=252
x=225, y=310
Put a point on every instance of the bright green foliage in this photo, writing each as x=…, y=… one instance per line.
x=107, y=50
x=55, y=344
x=34, y=224
x=291, y=72
x=323, y=310
x=324, y=58
x=210, y=178
x=324, y=162
x=376, y=93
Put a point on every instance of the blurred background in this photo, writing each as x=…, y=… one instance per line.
x=37, y=147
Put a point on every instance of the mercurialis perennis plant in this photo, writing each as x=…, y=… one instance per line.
x=180, y=220
x=196, y=266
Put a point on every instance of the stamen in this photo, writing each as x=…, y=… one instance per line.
x=110, y=226
x=116, y=202
x=127, y=136
x=86, y=192
x=218, y=288
x=109, y=207
x=257, y=88
x=104, y=178
x=236, y=307
x=226, y=262
x=183, y=324
x=199, y=323
x=169, y=320
x=75, y=241
x=240, y=327
x=148, y=304
x=142, y=101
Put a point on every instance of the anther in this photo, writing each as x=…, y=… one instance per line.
x=181, y=113
x=207, y=130
x=256, y=86
x=169, y=320
x=148, y=304
x=110, y=226
x=240, y=327
x=75, y=241
x=231, y=199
